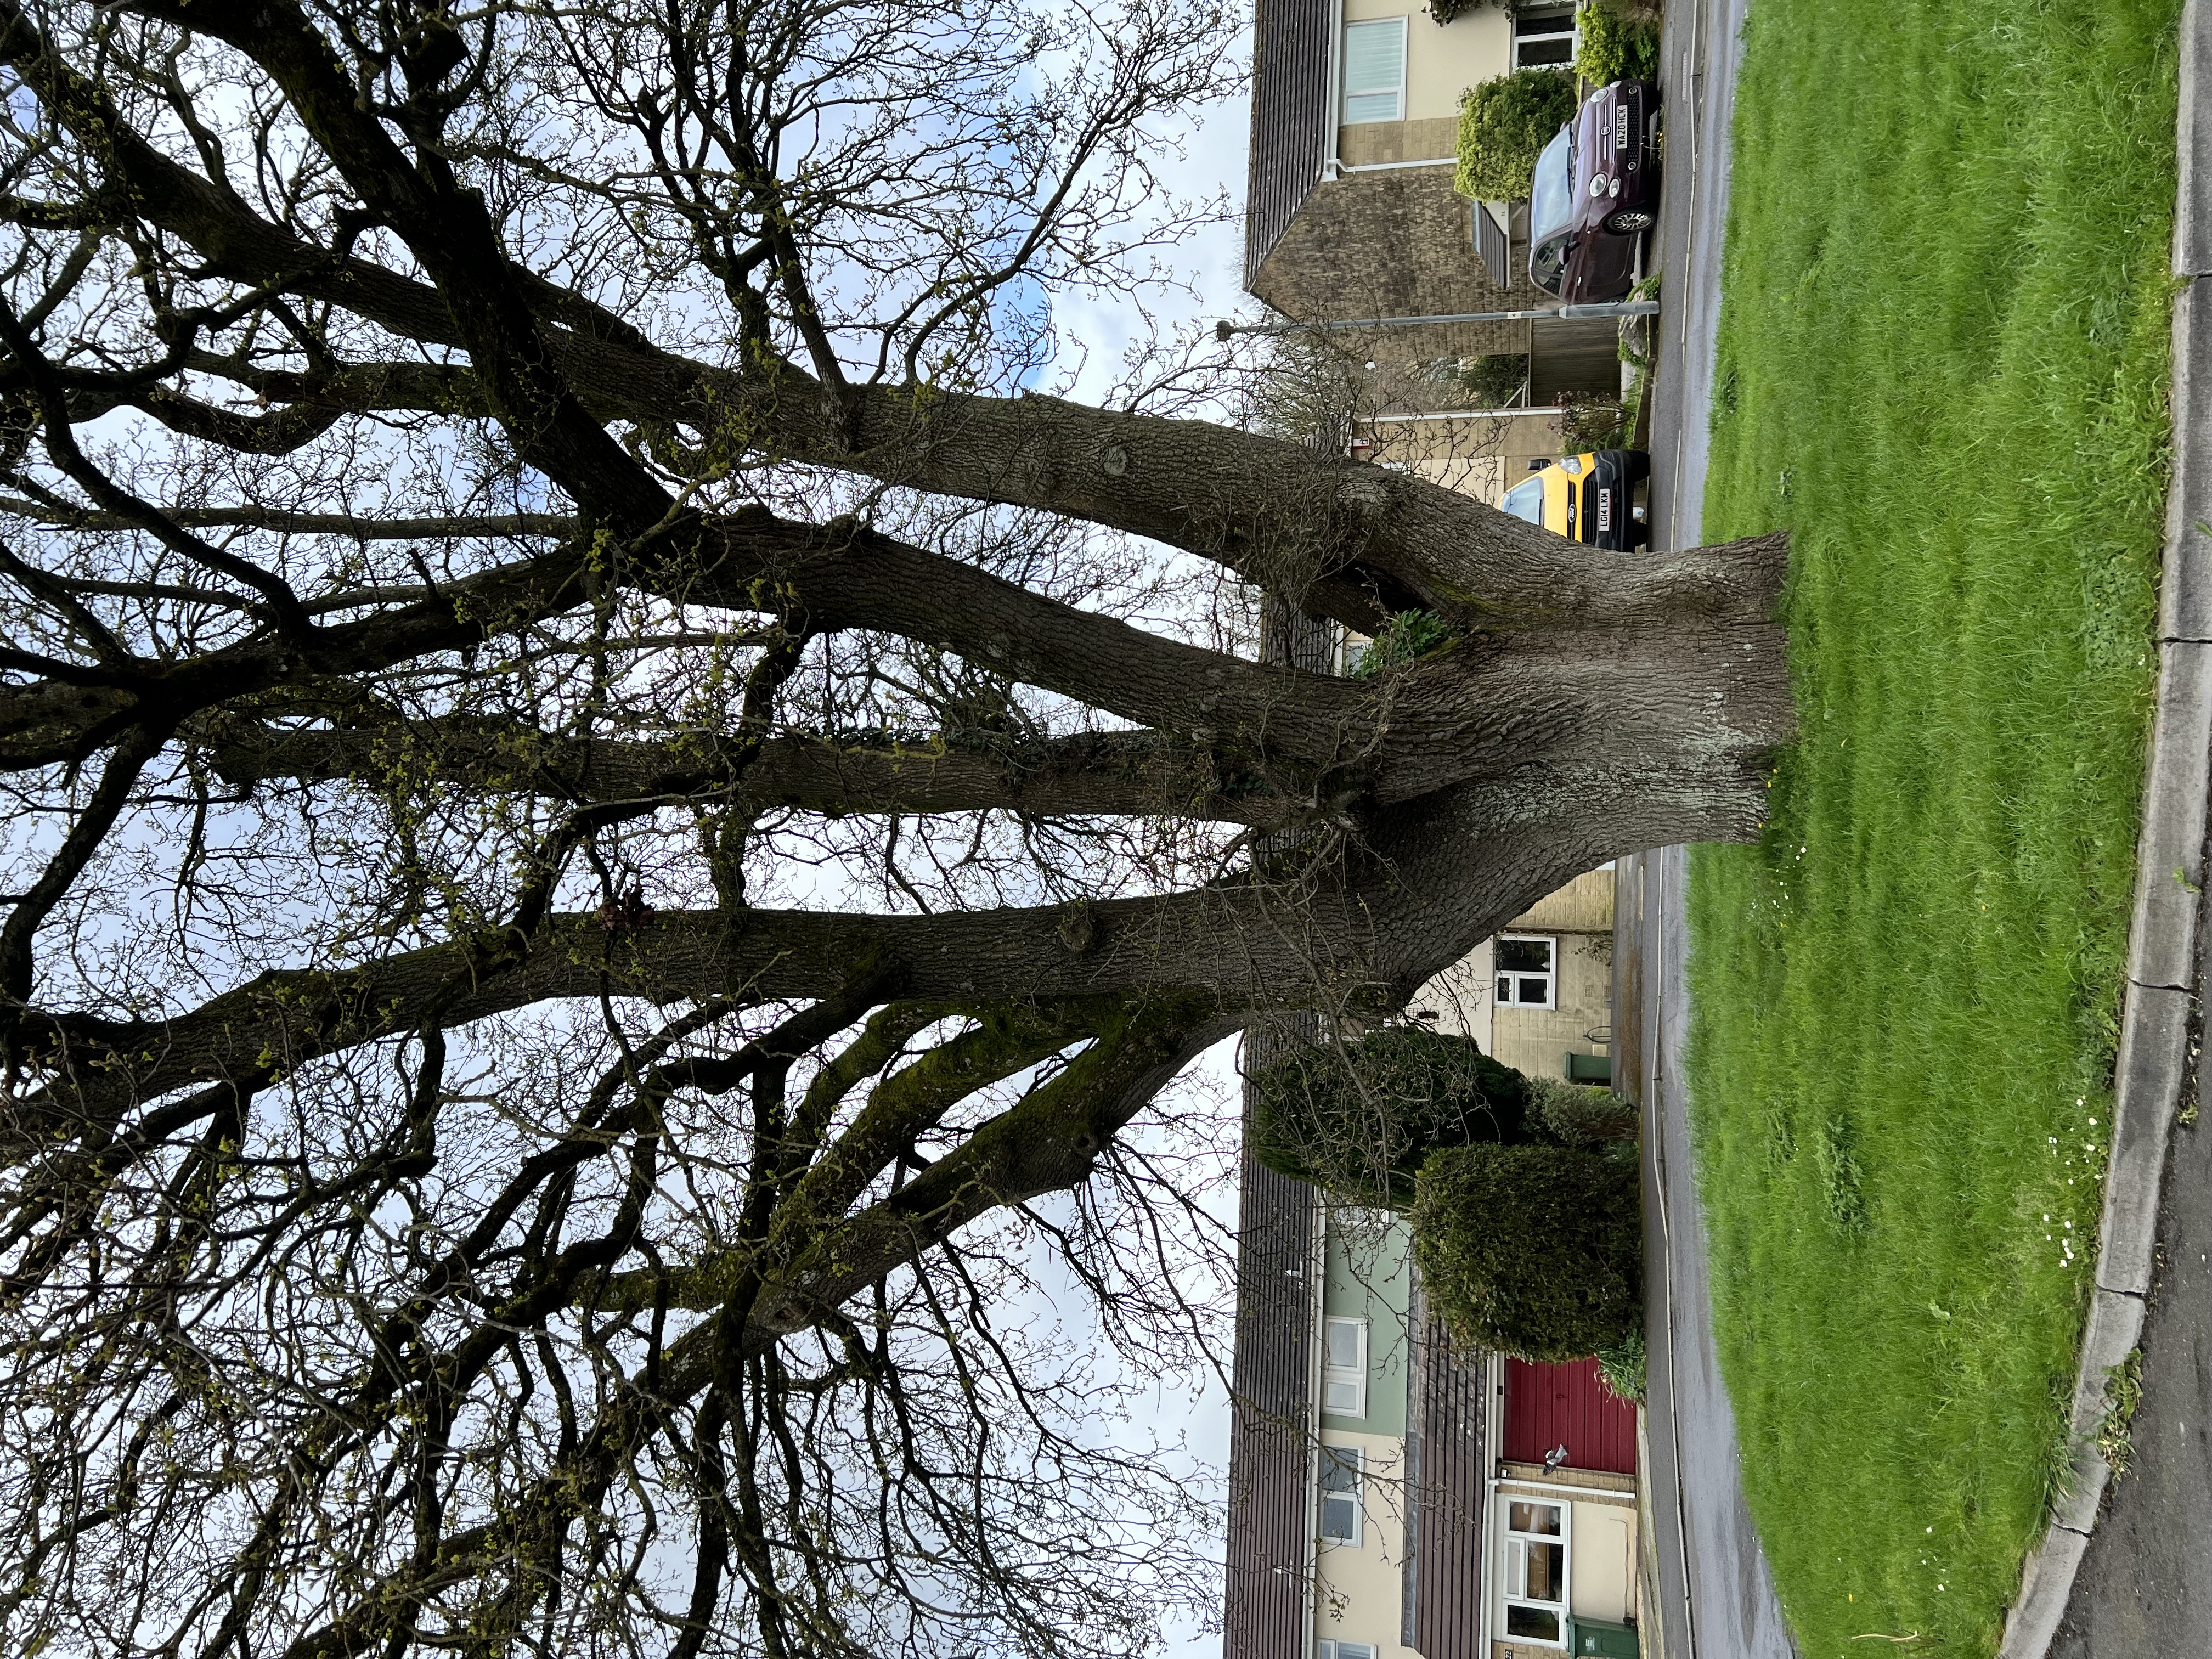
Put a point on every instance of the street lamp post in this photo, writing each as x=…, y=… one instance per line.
x=1224, y=330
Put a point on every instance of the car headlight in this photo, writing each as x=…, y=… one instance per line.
x=1572, y=466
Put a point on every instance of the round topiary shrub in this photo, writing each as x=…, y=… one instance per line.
x=1361, y=1118
x=1534, y=1251
x=1503, y=125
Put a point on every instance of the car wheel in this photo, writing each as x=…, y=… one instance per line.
x=1629, y=221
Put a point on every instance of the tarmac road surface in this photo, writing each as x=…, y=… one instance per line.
x=1715, y=1593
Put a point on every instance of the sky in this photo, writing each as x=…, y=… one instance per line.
x=1211, y=164
x=1215, y=144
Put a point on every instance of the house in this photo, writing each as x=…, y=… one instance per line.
x=1350, y=210
x=1539, y=996
x=1392, y=1496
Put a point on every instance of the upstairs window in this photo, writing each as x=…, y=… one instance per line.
x=1341, y=1508
x=1375, y=70
x=1544, y=40
x=1527, y=970
x=1325, y=1650
x=1344, y=1367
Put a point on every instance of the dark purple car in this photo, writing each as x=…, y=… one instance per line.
x=1595, y=194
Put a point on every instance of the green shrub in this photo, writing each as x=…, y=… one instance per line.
x=1616, y=46
x=1535, y=1251
x=1407, y=634
x=1625, y=1369
x=1577, y=1115
x=1360, y=1120
x=1503, y=125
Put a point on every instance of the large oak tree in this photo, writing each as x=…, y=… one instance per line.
x=605, y=807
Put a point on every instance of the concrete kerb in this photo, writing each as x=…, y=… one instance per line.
x=2160, y=995
x=2043, y=1589
x=2192, y=217
x=2170, y=851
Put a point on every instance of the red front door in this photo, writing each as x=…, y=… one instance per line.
x=1547, y=1406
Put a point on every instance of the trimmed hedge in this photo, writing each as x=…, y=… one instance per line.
x=1359, y=1121
x=1534, y=1251
x=1523, y=1191
x=1503, y=125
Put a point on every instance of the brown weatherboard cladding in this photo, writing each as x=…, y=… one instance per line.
x=1446, y=1478
x=1290, y=118
x=1269, y=1432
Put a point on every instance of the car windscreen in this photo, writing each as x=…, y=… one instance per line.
x=1552, y=191
x=1526, y=501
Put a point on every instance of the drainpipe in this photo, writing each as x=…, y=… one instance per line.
x=1343, y=168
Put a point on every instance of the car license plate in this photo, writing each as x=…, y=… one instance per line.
x=1605, y=509
x=1620, y=127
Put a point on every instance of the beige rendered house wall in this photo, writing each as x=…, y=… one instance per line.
x=1360, y=1587
x=1537, y=1040
x=1479, y=455
x=1584, y=905
x=1442, y=60
x=1604, y=1579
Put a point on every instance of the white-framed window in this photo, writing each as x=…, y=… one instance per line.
x=1343, y=1508
x=1535, y=1578
x=1344, y=1367
x=1527, y=969
x=1544, y=40
x=1375, y=70
x=1327, y=1649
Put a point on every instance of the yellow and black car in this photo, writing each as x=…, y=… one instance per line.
x=1589, y=497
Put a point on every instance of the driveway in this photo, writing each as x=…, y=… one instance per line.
x=1714, y=1592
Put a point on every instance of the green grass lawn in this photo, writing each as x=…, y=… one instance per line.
x=1943, y=365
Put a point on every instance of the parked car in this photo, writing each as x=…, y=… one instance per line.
x=1595, y=193
x=1590, y=497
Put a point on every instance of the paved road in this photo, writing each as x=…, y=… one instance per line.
x=1715, y=1593
x=2145, y=1583
x=1701, y=46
